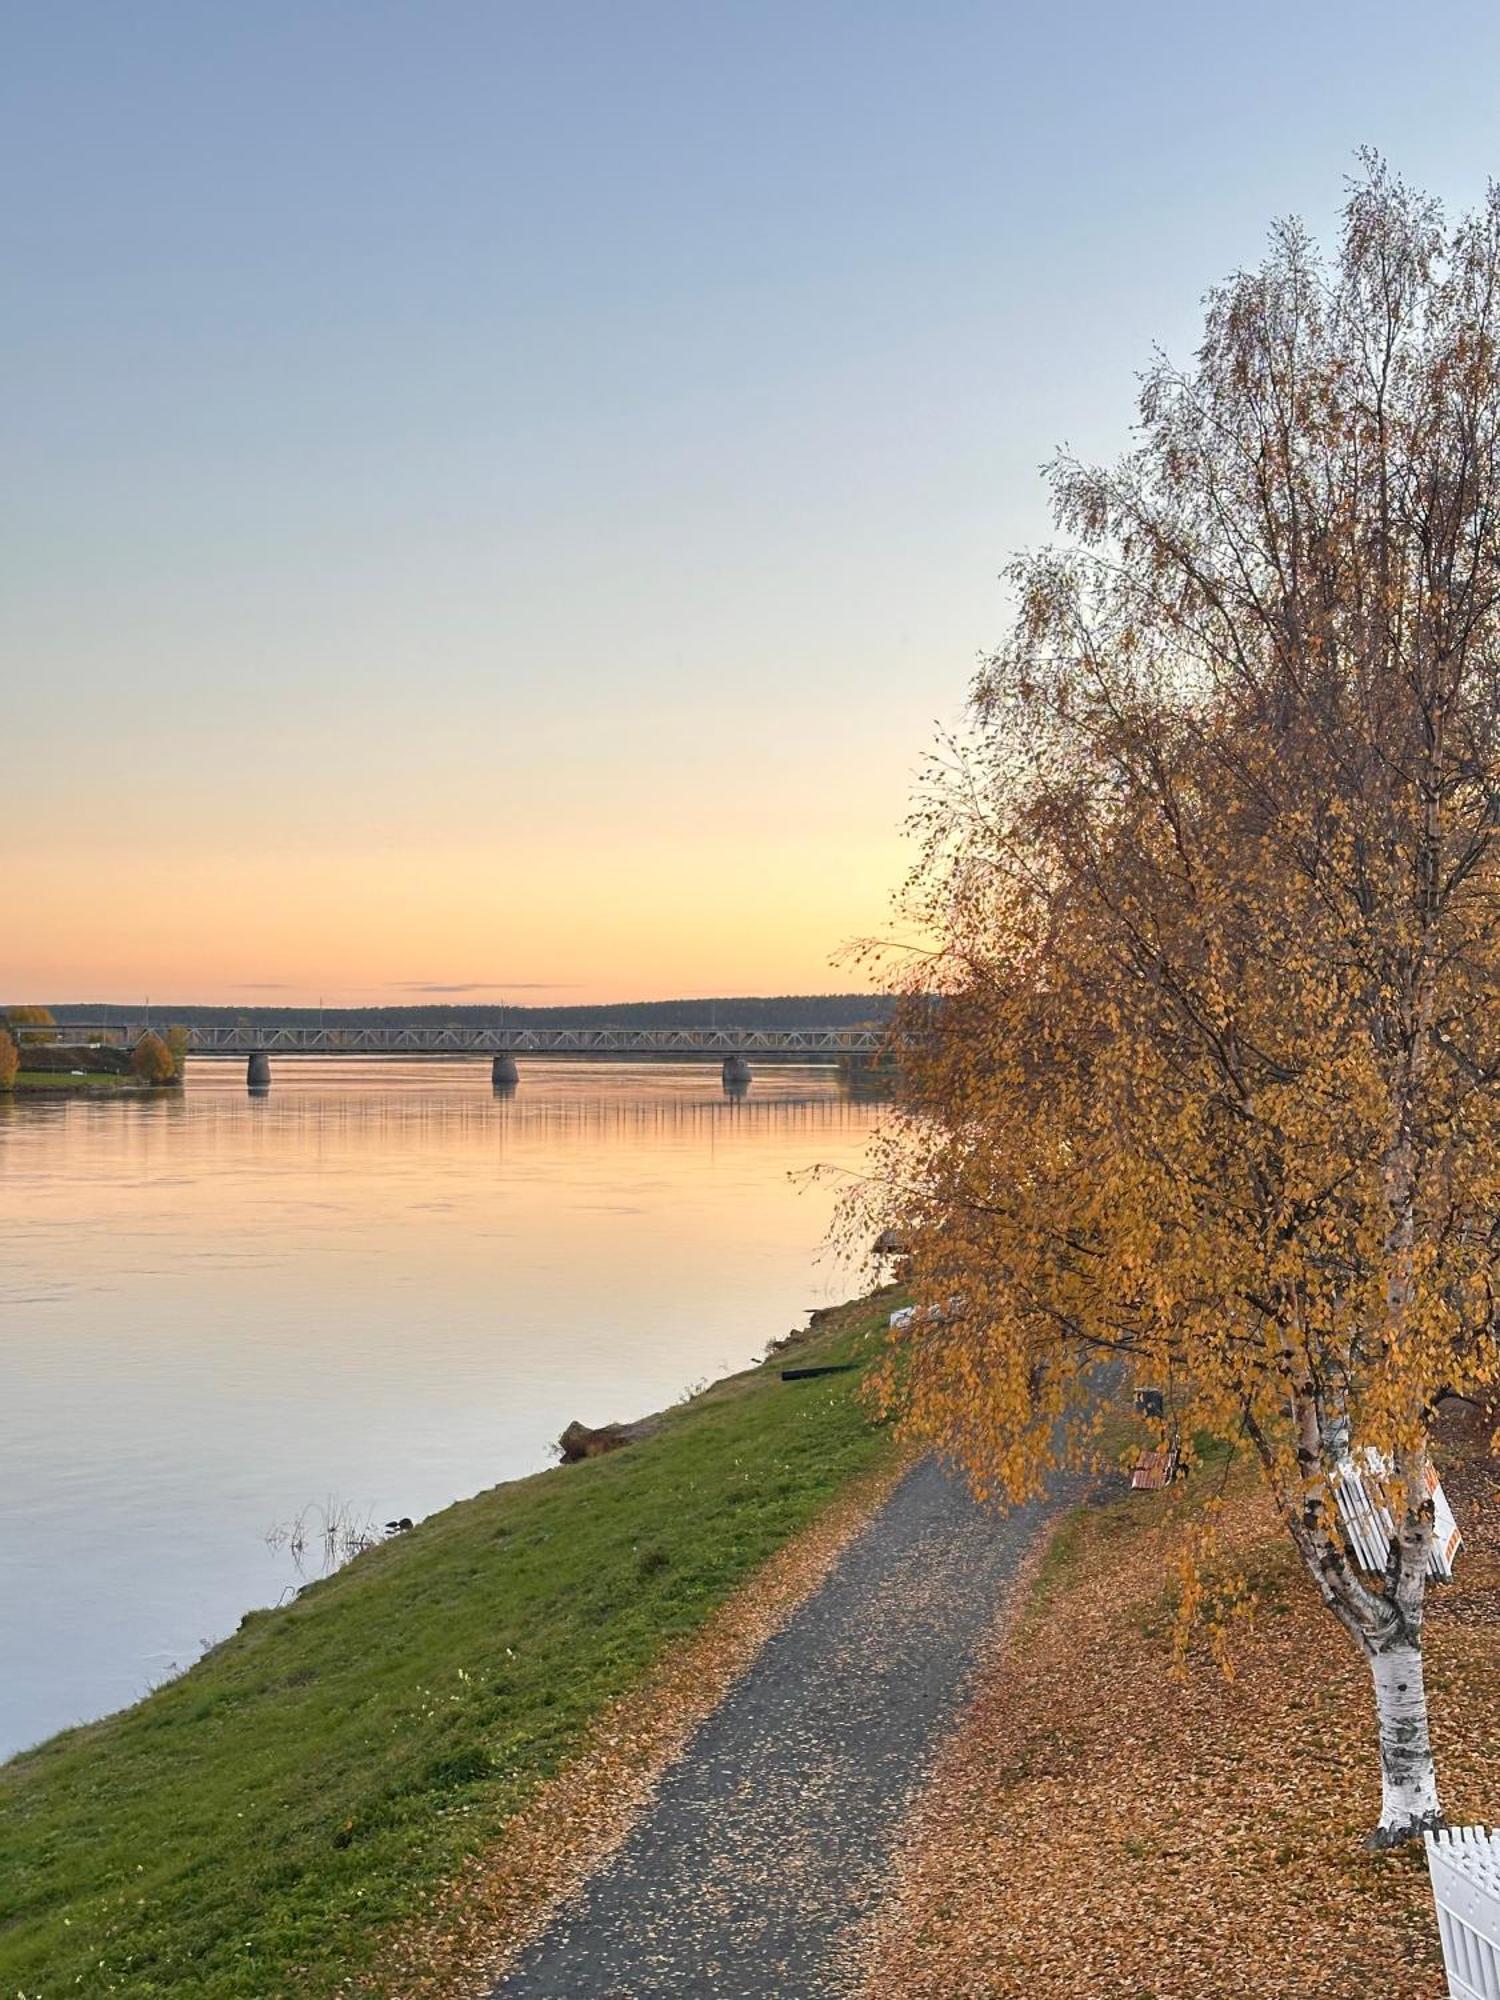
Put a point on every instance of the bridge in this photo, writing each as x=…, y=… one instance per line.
x=732, y=1047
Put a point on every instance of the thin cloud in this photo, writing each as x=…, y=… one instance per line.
x=483, y=986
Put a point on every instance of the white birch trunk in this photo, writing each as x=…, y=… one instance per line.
x=1408, y=1778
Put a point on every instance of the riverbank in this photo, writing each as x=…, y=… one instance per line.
x=268, y=1823
x=87, y=1083
x=55, y=1068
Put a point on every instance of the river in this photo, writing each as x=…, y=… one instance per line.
x=372, y=1292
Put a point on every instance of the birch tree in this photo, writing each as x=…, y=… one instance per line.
x=1202, y=1080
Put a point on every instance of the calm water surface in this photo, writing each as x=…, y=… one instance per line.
x=382, y=1287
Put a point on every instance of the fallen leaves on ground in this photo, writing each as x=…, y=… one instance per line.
x=1099, y=1829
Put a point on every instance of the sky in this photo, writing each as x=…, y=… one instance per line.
x=499, y=497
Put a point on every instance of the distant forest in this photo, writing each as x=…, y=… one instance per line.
x=787, y=1010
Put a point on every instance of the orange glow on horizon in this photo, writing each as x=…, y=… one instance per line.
x=649, y=920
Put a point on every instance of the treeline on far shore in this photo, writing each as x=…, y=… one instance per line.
x=792, y=1010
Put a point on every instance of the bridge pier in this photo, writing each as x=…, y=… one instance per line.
x=736, y=1073
x=258, y=1073
x=503, y=1073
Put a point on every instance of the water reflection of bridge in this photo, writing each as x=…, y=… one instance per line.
x=407, y=1122
x=730, y=1046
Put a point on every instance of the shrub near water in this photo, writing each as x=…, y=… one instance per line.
x=152, y=1061
x=10, y=1060
x=248, y=1829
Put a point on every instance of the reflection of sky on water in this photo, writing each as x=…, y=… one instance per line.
x=380, y=1284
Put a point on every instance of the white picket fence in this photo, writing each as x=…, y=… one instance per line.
x=1464, y=1863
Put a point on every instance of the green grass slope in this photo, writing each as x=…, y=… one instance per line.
x=247, y=1829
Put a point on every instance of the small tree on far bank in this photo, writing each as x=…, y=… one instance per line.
x=177, y=1049
x=10, y=1061
x=1204, y=1083
x=151, y=1060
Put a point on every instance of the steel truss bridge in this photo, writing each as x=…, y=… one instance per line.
x=711, y=1043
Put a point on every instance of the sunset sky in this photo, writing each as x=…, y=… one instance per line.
x=498, y=495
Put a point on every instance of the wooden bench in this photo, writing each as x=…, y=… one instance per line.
x=1155, y=1468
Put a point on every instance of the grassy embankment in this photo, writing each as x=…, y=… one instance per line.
x=52, y=1070
x=1104, y=1827
x=255, y=1827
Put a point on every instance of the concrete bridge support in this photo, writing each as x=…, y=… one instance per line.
x=258, y=1072
x=736, y=1073
x=503, y=1073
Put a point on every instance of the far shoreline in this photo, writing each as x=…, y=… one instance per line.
x=90, y=1083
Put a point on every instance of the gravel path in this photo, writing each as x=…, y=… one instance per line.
x=768, y=1840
